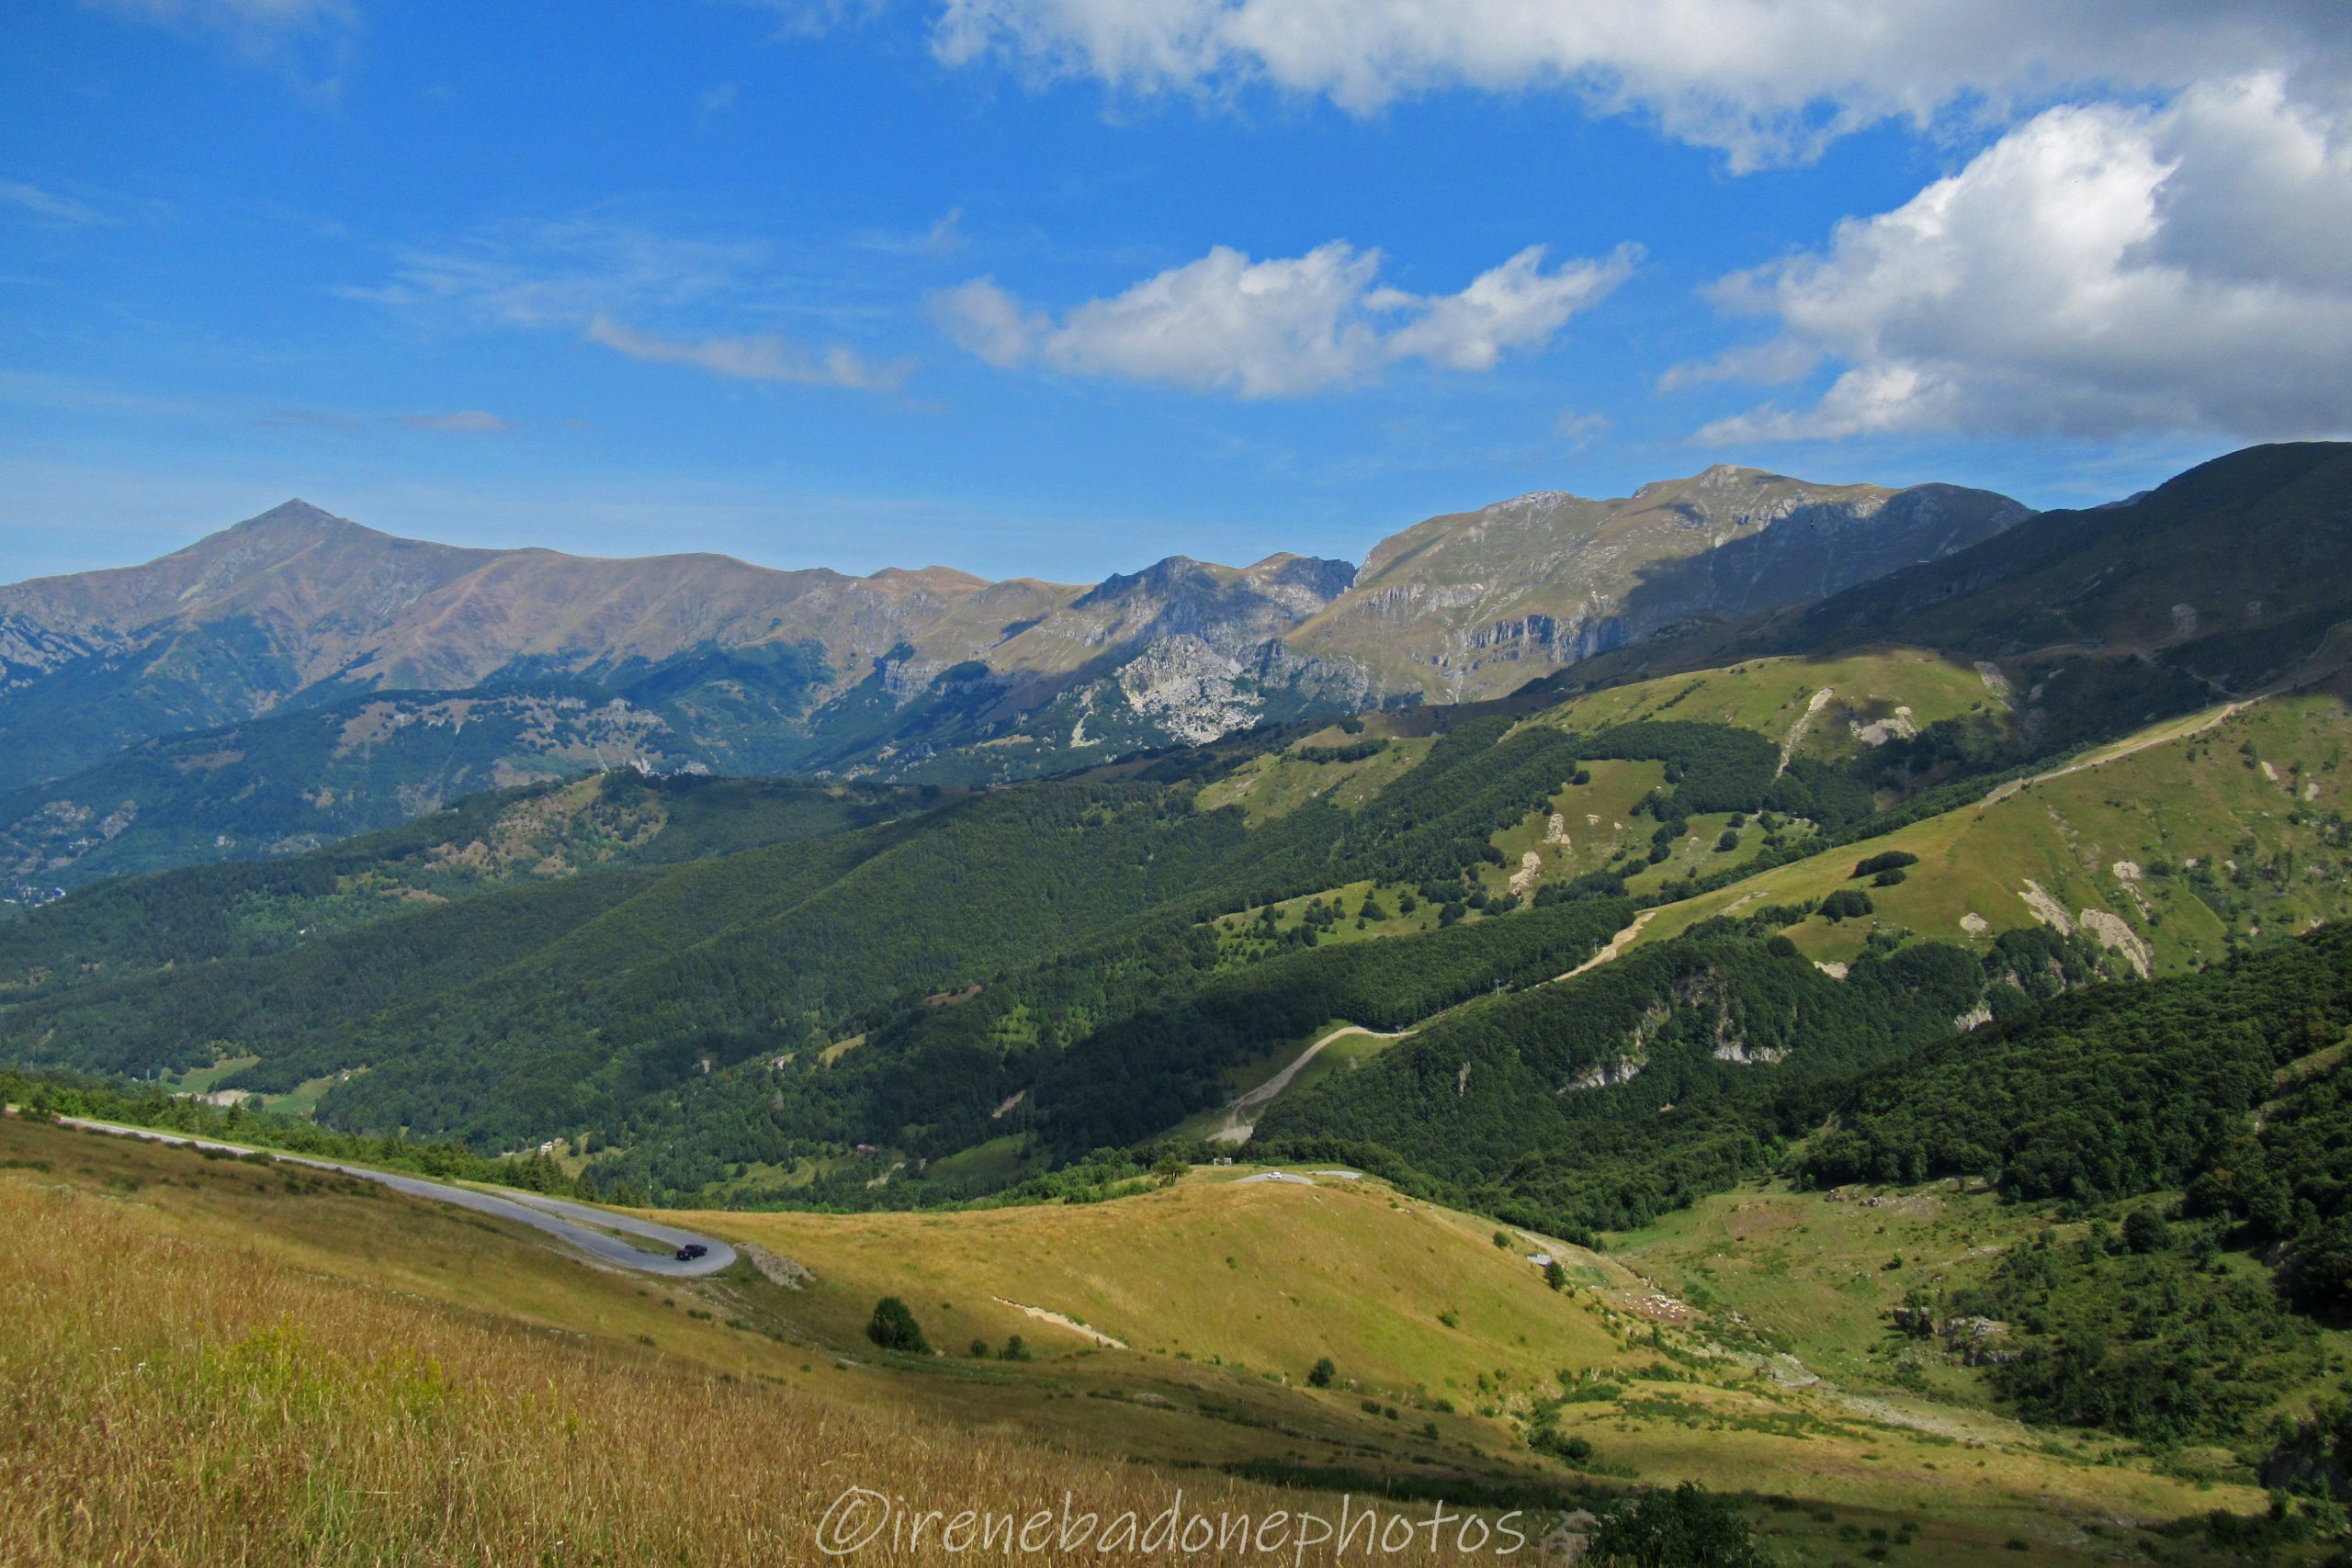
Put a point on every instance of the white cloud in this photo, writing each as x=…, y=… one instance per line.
x=761, y=358
x=49, y=206
x=560, y=274
x=1284, y=326
x=1765, y=79
x=311, y=41
x=983, y=319
x=1580, y=431
x=2097, y=271
x=246, y=21
x=593, y=279
x=465, y=422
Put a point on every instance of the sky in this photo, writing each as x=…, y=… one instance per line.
x=1058, y=287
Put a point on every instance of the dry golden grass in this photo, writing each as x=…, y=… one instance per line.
x=164, y=1401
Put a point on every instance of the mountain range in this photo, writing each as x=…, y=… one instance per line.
x=209, y=703
x=2005, y=896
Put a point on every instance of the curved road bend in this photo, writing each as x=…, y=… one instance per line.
x=569, y=1223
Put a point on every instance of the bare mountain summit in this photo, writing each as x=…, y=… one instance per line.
x=1475, y=603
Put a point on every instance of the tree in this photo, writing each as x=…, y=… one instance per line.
x=2144, y=1231
x=1170, y=1168
x=1321, y=1373
x=1556, y=1276
x=1845, y=903
x=1014, y=1350
x=894, y=1328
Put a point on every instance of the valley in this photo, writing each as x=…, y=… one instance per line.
x=1857, y=1082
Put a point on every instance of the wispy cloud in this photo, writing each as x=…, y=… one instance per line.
x=461, y=422
x=48, y=207
x=756, y=358
x=464, y=421
x=599, y=282
x=309, y=41
x=307, y=419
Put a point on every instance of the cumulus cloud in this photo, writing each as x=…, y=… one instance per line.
x=759, y=358
x=1284, y=326
x=1764, y=80
x=2101, y=269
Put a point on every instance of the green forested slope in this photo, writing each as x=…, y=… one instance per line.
x=485, y=843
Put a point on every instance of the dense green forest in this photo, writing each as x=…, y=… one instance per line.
x=2141, y=1088
x=1599, y=1102
x=482, y=845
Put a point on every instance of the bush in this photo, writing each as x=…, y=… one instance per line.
x=1321, y=1374
x=1556, y=1276
x=1891, y=878
x=894, y=1328
x=1727, y=843
x=1014, y=1350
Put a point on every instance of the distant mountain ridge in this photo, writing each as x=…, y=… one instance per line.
x=926, y=675
x=1471, y=604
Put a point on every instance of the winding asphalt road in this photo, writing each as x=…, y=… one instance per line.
x=582, y=1227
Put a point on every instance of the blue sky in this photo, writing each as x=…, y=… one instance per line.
x=1059, y=287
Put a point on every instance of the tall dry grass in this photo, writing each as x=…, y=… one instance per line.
x=168, y=1402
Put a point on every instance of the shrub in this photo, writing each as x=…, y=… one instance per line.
x=1321, y=1373
x=1891, y=878
x=893, y=1327
x=1014, y=1350
x=1556, y=1276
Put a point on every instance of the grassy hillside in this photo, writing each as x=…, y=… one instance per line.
x=2172, y=847
x=1900, y=691
x=359, y=1375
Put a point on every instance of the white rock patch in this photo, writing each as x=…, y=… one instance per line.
x=2045, y=908
x=2115, y=935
